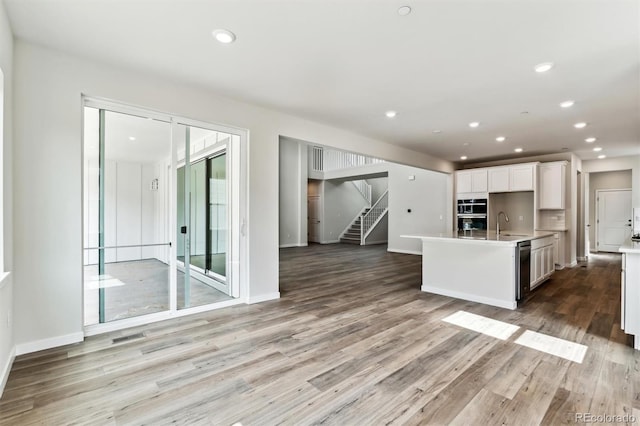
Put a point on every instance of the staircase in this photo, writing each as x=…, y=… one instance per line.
x=366, y=221
x=353, y=234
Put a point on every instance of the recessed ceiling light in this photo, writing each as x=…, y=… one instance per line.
x=390, y=114
x=580, y=125
x=464, y=157
x=590, y=140
x=466, y=144
x=518, y=150
x=597, y=149
x=543, y=67
x=224, y=36
x=132, y=138
x=437, y=131
x=601, y=156
x=474, y=124
x=404, y=10
x=500, y=139
x=567, y=104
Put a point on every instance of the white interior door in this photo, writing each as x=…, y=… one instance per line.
x=614, y=219
x=313, y=211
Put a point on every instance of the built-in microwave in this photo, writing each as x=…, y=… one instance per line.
x=472, y=206
x=472, y=214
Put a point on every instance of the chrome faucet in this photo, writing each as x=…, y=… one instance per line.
x=506, y=218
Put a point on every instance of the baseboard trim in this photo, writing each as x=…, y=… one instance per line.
x=52, y=342
x=293, y=245
x=470, y=297
x=574, y=263
x=263, y=298
x=7, y=369
x=330, y=242
x=404, y=251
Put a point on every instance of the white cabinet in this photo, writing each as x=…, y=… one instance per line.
x=542, y=265
x=471, y=181
x=499, y=179
x=519, y=177
x=551, y=185
x=630, y=292
x=463, y=182
x=479, y=180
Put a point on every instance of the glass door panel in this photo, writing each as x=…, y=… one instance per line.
x=201, y=203
x=218, y=225
x=126, y=257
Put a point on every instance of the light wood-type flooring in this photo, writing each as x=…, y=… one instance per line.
x=352, y=341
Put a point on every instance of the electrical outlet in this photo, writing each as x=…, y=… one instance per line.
x=440, y=217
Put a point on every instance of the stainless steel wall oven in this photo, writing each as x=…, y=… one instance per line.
x=472, y=214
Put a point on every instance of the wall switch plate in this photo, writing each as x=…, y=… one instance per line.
x=521, y=218
x=412, y=177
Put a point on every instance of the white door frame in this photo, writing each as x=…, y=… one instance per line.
x=238, y=215
x=597, y=212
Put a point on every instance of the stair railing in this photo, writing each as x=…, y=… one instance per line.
x=327, y=160
x=369, y=219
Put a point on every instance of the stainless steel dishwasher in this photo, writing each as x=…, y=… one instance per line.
x=523, y=270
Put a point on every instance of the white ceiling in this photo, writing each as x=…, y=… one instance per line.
x=152, y=141
x=346, y=62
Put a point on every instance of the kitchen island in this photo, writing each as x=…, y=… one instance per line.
x=630, y=290
x=480, y=266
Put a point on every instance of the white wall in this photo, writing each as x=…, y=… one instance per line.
x=293, y=193
x=380, y=233
x=7, y=310
x=47, y=159
x=378, y=186
x=607, y=165
x=430, y=198
x=619, y=179
x=618, y=163
x=342, y=202
x=130, y=210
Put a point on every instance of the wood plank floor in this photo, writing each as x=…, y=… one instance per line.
x=352, y=341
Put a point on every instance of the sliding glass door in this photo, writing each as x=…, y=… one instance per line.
x=162, y=223
x=202, y=217
x=126, y=256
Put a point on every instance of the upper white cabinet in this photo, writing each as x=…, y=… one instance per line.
x=519, y=177
x=499, y=179
x=551, y=185
x=463, y=182
x=471, y=181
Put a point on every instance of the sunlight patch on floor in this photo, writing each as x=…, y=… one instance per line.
x=552, y=345
x=102, y=281
x=490, y=327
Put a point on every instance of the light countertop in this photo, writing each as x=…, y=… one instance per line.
x=630, y=247
x=510, y=238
